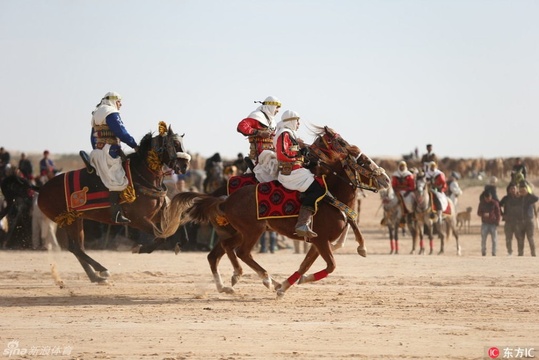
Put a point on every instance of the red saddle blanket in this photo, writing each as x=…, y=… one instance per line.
x=85, y=191
x=236, y=182
x=273, y=200
x=447, y=209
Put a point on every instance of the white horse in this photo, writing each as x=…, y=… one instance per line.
x=424, y=216
x=393, y=213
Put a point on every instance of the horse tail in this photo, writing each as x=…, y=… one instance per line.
x=206, y=209
x=174, y=214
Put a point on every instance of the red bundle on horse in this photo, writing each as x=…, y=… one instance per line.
x=239, y=221
x=76, y=195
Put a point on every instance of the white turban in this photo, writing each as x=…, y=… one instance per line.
x=268, y=107
x=289, y=122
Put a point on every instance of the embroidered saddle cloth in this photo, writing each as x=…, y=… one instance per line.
x=273, y=200
x=85, y=191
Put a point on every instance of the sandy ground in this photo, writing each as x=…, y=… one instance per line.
x=165, y=306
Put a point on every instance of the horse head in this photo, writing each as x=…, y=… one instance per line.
x=331, y=150
x=421, y=193
x=166, y=148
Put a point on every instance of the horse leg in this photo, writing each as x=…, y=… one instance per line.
x=442, y=237
x=298, y=277
x=148, y=248
x=456, y=235
x=214, y=256
x=391, y=242
x=244, y=252
x=75, y=235
x=221, y=248
x=339, y=243
x=324, y=250
x=396, y=240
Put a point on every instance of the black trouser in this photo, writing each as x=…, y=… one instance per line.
x=309, y=196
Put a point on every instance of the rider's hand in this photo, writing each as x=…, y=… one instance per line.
x=263, y=133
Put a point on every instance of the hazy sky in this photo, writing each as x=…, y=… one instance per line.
x=389, y=76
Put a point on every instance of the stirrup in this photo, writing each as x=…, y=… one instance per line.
x=120, y=219
x=304, y=231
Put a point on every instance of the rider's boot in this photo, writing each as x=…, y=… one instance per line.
x=304, y=220
x=116, y=212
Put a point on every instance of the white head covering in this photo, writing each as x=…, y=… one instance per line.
x=404, y=172
x=268, y=107
x=289, y=123
x=105, y=107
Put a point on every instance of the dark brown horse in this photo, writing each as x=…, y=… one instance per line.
x=345, y=168
x=148, y=211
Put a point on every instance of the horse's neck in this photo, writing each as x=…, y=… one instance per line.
x=422, y=199
x=341, y=191
x=143, y=175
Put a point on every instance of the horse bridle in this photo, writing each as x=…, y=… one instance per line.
x=165, y=144
x=349, y=163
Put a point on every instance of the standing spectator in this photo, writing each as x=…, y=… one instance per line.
x=526, y=225
x=453, y=188
x=491, y=188
x=25, y=167
x=428, y=158
x=46, y=166
x=272, y=235
x=5, y=159
x=511, y=206
x=489, y=211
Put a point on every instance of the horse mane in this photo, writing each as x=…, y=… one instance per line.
x=144, y=146
x=320, y=131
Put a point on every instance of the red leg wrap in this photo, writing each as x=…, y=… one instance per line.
x=294, y=278
x=320, y=275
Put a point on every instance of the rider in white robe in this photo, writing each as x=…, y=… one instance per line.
x=108, y=132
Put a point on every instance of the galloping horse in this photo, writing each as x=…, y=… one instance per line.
x=235, y=218
x=423, y=215
x=147, y=207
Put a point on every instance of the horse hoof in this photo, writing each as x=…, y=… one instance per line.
x=136, y=249
x=267, y=283
x=227, y=290
x=362, y=251
x=280, y=294
x=104, y=274
x=234, y=279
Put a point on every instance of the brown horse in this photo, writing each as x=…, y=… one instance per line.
x=148, y=211
x=235, y=218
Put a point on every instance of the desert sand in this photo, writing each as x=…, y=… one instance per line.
x=165, y=306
